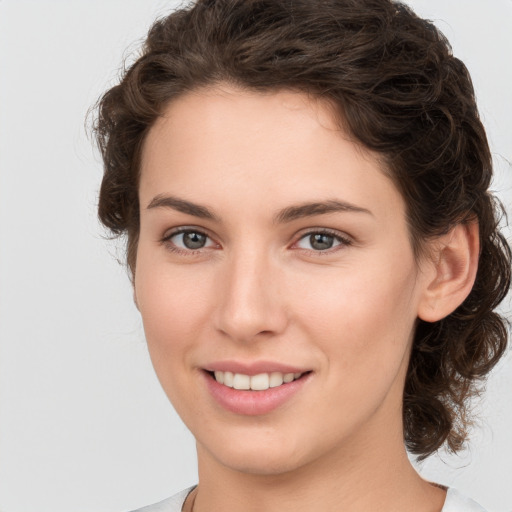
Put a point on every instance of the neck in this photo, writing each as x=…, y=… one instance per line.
x=365, y=476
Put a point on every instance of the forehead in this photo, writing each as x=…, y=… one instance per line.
x=224, y=113
x=243, y=100
x=271, y=148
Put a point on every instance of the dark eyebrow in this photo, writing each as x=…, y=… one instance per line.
x=309, y=209
x=288, y=214
x=182, y=205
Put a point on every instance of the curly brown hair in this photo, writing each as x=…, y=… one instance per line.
x=400, y=92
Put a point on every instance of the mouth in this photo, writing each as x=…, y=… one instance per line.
x=256, y=388
x=259, y=382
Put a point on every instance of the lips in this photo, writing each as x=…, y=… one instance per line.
x=254, y=389
x=259, y=382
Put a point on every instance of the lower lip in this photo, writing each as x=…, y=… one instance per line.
x=253, y=403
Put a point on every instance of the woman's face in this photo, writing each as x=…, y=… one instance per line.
x=273, y=247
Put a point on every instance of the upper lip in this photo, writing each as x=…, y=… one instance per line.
x=253, y=367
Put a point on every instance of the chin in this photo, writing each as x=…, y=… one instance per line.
x=260, y=455
x=262, y=464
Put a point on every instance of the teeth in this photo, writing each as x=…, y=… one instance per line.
x=276, y=379
x=241, y=381
x=259, y=382
x=228, y=379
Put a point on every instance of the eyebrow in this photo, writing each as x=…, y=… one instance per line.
x=318, y=208
x=182, y=205
x=283, y=216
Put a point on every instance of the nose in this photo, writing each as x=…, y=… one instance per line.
x=251, y=298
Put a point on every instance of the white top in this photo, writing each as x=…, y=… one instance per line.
x=455, y=502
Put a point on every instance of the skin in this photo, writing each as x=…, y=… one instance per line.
x=258, y=290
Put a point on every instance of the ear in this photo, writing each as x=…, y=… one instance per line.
x=452, y=272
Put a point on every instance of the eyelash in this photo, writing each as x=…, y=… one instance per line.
x=343, y=241
x=166, y=241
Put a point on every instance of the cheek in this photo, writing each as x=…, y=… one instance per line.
x=362, y=320
x=174, y=304
x=173, y=310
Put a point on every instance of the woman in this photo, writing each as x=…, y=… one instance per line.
x=313, y=247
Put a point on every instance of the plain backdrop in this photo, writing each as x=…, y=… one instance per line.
x=84, y=425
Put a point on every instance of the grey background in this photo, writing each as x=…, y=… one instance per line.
x=84, y=425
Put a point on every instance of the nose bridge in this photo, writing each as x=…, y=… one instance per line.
x=250, y=302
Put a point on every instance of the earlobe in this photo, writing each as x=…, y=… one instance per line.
x=453, y=271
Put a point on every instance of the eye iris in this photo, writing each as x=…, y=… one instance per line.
x=321, y=241
x=193, y=240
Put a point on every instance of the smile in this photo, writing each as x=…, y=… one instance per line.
x=259, y=382
x=250, y=390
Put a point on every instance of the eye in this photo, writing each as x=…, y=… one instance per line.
x=321, y=241
x=187, y=240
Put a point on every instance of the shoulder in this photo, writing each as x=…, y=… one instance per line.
x=456, y=502
x=172, y=504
